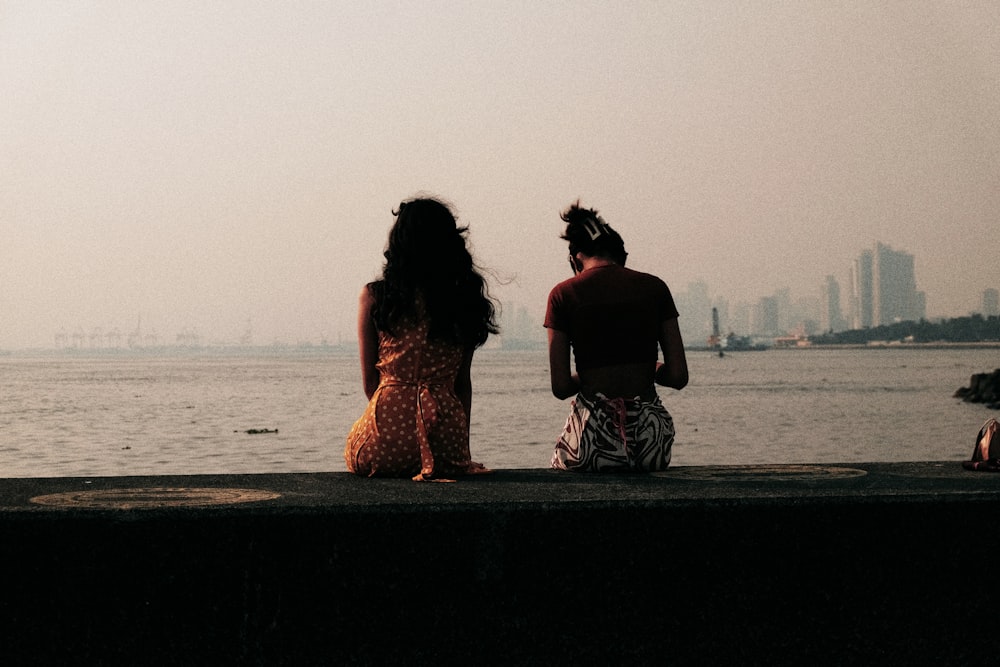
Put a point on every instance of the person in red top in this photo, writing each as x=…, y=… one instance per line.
x=615, y=321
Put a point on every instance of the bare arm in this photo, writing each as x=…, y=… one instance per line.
x=367, y=343
x=463, y=385
x=564, y=382
x=673, y=372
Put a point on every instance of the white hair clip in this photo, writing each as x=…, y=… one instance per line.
x=595, y=227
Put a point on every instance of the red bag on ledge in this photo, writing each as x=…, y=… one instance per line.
x=986, y=455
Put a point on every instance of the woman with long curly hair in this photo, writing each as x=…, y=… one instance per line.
x=616, y=321
x=418, y=327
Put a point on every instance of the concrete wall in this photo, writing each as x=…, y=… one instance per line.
x=696, y=566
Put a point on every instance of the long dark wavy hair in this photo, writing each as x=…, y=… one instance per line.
x=588, y=233
x=429, y=272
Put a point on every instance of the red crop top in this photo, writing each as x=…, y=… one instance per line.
x=613, y=315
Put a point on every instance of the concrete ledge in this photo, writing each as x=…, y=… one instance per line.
x=836, y=564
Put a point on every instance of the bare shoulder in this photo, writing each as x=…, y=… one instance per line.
x=366, y=298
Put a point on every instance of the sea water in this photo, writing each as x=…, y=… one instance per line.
x=190, y=412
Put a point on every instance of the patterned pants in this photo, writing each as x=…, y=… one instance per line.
x=615, y=434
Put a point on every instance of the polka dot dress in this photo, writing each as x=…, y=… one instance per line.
x=414, y=425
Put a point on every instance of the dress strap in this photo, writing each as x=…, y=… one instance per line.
x=426, y=404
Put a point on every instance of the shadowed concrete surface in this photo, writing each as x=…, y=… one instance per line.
x=830, y=564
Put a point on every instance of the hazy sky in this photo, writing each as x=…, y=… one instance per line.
x=200, y=164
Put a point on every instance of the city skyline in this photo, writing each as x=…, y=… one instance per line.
x=882, y=289
x=780, y=313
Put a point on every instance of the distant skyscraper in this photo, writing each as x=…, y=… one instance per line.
x=831, y=316
x=861, y=291
x=695, y=308
x=991, y=302
x=766, y=317
x=783, y=302
x=894, y=287
x=722, y=306
x=739, y=319
x=522, y=329
x=884, y=288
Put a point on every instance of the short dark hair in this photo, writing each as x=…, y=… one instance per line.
x=587, y=232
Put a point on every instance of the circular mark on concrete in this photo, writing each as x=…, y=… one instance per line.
x=153, y=497
x=779, y=473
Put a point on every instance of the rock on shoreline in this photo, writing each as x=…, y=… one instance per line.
x=983, y=388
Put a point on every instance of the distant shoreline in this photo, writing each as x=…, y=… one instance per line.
x=906, y=346
x=351, y=350
x=941, y=345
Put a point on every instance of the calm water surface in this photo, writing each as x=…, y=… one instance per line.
x=188, y=414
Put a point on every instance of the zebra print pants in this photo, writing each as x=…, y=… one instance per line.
x=615, y=434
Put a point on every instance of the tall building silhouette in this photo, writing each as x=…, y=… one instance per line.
x=695, y=308
x=861, y=291
x=831, y=314
x=894, y=297
x=884, y=288
x=765, y=316
x=991, y=302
